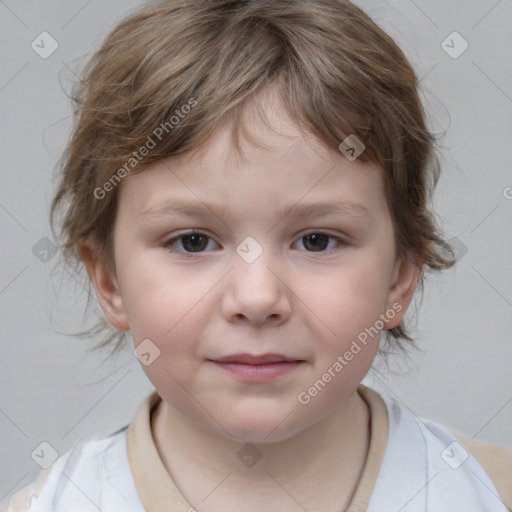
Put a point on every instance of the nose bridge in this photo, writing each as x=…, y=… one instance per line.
x=256, y=288
x=252, y=264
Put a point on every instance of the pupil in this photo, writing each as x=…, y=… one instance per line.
x=195, y=239
x=319, y=241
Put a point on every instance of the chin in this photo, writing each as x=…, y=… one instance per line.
x=260, y=429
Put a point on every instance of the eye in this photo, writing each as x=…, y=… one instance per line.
x=191, y=242
x=196, y=242
x=318, y=241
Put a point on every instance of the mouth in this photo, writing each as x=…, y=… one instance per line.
x=254, y=359
x=257, y=368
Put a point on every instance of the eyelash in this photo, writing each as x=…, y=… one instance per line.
x=167, y=245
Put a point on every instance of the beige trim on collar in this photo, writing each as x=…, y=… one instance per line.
x=152, y=481
x=378, y=441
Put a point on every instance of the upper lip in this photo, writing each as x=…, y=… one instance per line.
x=254, y=359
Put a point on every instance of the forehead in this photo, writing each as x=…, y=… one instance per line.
x=286, y=165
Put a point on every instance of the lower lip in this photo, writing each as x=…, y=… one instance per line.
x=259, y=372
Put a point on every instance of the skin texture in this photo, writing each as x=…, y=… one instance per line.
x=293, y=300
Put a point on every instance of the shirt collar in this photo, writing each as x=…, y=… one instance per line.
x=158, y=491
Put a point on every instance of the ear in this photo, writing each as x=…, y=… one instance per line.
x=105, y=284
x=402, y=285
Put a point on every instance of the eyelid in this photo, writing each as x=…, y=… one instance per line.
x=320, y=231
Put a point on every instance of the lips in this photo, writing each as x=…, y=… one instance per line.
x=257, y=368
x=254, y=359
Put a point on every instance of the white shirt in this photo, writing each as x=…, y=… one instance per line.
x=424, y=469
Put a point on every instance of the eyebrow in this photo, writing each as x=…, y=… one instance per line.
x=178, y=206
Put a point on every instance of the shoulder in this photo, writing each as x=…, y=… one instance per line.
x=20, y=502
x=495, y=459
x=457, y=473
x=100, y=466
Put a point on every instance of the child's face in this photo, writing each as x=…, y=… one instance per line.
x=307, y=306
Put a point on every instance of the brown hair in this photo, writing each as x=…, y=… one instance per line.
x=336, y=73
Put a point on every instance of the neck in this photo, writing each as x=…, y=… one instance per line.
x=318, y=468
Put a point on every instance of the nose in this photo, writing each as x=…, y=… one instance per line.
x=256, y=293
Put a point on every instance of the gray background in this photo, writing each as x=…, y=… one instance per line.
x=53, y=390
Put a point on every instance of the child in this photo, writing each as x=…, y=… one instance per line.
x=260, y=129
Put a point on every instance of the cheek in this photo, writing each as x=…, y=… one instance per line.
x=348, y=299
x=170, y=311
x=161, y=301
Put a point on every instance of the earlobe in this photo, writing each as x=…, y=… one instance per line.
x=105, y=284
x=403, y=283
